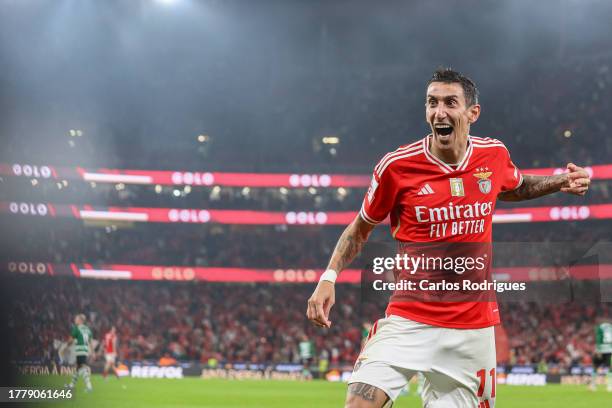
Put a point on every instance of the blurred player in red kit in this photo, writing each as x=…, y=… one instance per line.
x=442, y=188
x=110, y=352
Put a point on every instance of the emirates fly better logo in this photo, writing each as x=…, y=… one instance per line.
x=454, y=219
x=453, y=212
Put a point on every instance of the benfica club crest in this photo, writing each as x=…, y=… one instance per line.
x=484, y=184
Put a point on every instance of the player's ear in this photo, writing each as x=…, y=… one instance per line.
x=473, y=113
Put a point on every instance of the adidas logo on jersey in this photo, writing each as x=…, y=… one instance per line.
x=425, y=190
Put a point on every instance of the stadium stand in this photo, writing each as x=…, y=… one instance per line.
x=203, y=321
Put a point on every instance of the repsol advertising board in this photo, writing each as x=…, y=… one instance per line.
x=152, y=371
x=522, y=379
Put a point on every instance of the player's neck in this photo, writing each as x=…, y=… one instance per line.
x=450, y=155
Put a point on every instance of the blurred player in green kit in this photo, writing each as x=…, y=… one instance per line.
x=603, y=353
x=81, y=338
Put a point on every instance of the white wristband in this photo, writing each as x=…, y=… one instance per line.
x=329, y=275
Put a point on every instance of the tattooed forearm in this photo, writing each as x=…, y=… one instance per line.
x=534, y=187
x=350, y=243
x=365, y=391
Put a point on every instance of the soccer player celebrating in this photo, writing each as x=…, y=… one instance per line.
x=442, y=188
x=603, y=353
x=82, y=338
x=110, y=352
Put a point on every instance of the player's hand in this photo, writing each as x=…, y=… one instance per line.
x=578, y=180
x=320, y=303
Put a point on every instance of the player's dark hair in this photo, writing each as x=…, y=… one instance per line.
x=449, y=76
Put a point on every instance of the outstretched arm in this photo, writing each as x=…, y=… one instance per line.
x=348, y=247
x=575, y=182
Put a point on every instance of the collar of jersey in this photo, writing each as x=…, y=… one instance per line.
x=444, y=166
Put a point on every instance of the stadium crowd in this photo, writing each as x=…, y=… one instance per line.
x=265, y=246
x=552, y=337
x=218, y=321
x=194, y=322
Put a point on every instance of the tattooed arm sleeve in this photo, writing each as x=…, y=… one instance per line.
x=534, y=187
x=350, y=243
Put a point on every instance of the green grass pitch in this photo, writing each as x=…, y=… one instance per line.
x=197, y=392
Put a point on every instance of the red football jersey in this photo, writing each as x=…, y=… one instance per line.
x=109, y=343
x=428, y=200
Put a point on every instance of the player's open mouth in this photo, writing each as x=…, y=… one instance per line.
x=443, y=129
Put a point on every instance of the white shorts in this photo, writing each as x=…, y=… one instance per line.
x=458, y=364
x=110, y=357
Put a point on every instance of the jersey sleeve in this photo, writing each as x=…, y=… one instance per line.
x=74, y=332
x=380, y=198
x=511, y=177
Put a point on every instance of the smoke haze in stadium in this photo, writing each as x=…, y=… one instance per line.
x=271, y=76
